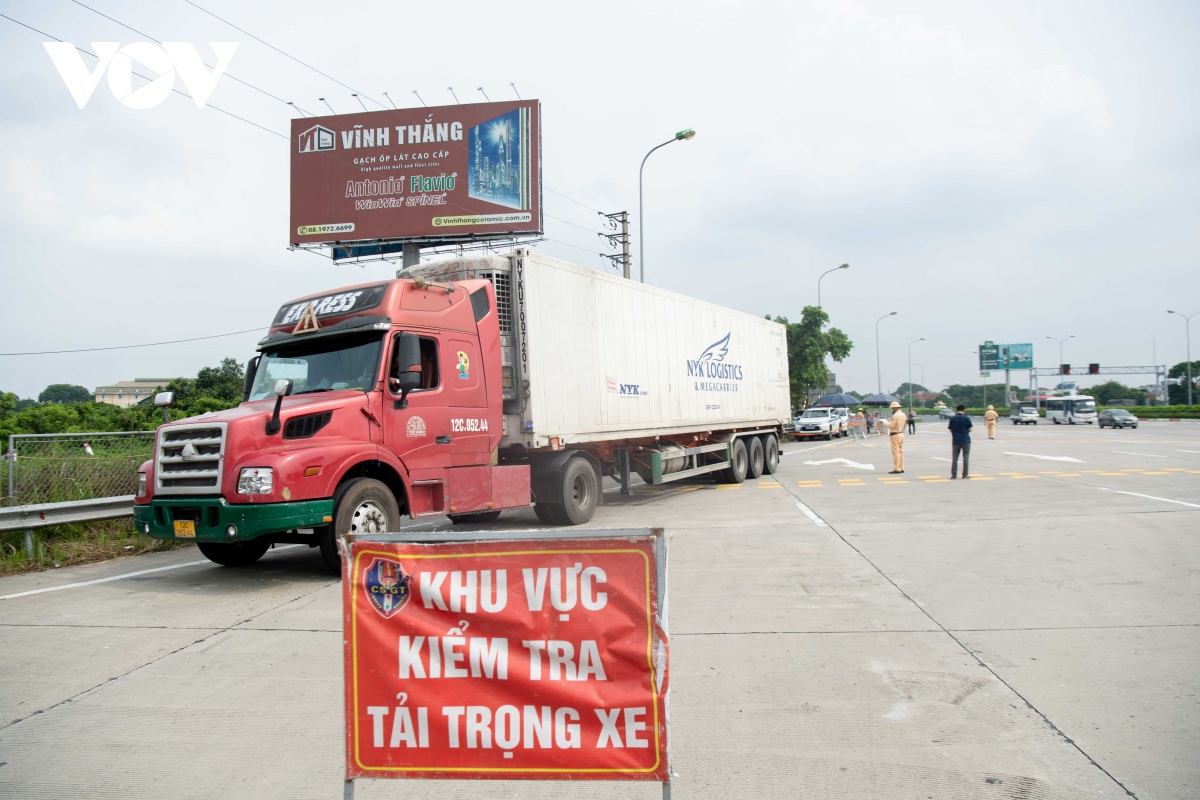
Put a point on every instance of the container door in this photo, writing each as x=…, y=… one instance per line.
x=462, y=367
x=419, y=434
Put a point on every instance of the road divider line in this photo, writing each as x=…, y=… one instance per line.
x=104, y=580
x=1144, y=455
x=808, y=512
x=1046, y=458
x=1150, y=497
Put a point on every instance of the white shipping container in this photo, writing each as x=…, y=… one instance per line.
x=603, y=358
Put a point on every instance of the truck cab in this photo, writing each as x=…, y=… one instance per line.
x=364, y=404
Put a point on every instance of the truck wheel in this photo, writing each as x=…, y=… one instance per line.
x=580, y=492
x=235, y=554
x=475, y=519
x=364, y=505
x=770, y=454
x=754, y=465
x=739, y=463
x=545, y=513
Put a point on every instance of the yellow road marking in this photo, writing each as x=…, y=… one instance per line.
x=730, y=486
x=770, y=485
x=1113, y=474
x=981, y=478
x=1156, y=473
x=1022, y=477
x=686, y=488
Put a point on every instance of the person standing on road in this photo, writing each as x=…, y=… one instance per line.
x=990, y=418
x=960, y=442
x=912, y=422
x=895, y=428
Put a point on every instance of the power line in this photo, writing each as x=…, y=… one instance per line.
x=130, y=346
x=147, y=78
x=277, y=50
x=573, y=200
x=151, y=38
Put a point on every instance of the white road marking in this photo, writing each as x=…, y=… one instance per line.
x=1197, y=452
x=808, y=512
x=1125, y=453
x=1046, y=458
x=126, y=575
x=845, y=461
x=939, y=458
x=104, y=580
x=1151, y=497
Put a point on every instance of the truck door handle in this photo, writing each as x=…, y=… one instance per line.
x=443, y=440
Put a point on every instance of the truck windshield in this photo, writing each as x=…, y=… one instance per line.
x=321, y=365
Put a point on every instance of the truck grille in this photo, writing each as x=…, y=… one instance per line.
x=188, y=459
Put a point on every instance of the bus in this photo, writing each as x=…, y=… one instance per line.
x=1071, y=410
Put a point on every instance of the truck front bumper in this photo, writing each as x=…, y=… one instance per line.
x=212, y=516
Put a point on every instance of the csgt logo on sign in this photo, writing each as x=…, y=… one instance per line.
x=164, y=62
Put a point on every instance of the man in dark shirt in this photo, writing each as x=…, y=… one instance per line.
x=960, y=438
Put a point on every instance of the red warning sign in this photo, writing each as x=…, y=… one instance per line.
x=539, y=659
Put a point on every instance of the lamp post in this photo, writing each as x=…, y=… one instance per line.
x=823, y=274
x=878, y=370
x=681, y=135
x=1060, y=354
x=910, y=344
x=1187, y=321
x=922, y=367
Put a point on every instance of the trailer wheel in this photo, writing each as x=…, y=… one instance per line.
x=475, y=519
x=364, y=505
x=235, y=554
x=739, y=463
x=770, y=454
x=754, y=466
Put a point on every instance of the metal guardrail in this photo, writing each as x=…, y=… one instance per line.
x=43, y=515
x=58, y=467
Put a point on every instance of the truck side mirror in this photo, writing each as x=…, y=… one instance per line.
x=283, y=387
x=163, y=400
x=251, y=371
x=408, y=365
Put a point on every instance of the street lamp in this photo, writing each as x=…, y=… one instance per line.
x=922, y=367
x=684, y=134
x=823, y=274
x=878, y=371
x=1060, y=355
x=910, y=344
x=1187, y=321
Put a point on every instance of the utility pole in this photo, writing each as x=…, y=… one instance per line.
x=1187, y=321
x=615, y=239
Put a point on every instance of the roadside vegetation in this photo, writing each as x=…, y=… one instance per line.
x=108, y=469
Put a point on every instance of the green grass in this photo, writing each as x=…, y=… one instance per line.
x=68, y=545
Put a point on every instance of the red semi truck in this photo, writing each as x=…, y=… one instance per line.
x=463, y=389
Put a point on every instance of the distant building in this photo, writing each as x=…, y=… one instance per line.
x=129, y=393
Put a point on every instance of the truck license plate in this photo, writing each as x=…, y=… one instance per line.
x=185, y=529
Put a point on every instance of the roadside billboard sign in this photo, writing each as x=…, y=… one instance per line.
x=519, y=655
x=989, y=356
x=1016, y=356
x=1005, y=356
x=442, y=174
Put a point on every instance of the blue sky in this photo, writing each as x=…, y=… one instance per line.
x=990, y=171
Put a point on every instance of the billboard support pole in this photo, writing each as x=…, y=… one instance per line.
x=348, y=791
x=412, y=255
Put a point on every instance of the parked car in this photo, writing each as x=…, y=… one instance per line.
x=820, y=422
x=1117, y=418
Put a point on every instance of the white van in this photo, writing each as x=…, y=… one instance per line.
x=1071, y=410
x=1023, y=413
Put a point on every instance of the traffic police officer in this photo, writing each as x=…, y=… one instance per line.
x=990, y=418
x=896, y=429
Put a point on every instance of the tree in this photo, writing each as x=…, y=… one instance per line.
x=1112, y=390
x=808, y=344
x=223, y=383
x=972, y=396
x=1177, y=393
x=64, y=393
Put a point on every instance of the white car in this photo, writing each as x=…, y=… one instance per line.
x=824, y=422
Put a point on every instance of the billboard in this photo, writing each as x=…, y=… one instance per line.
x=1005, y=356
x=540, y=658
x=443, y=174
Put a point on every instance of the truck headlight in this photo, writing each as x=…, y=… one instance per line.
x=256, y=480
x=141, y=484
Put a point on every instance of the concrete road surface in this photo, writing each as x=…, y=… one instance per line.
x=836, y=633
